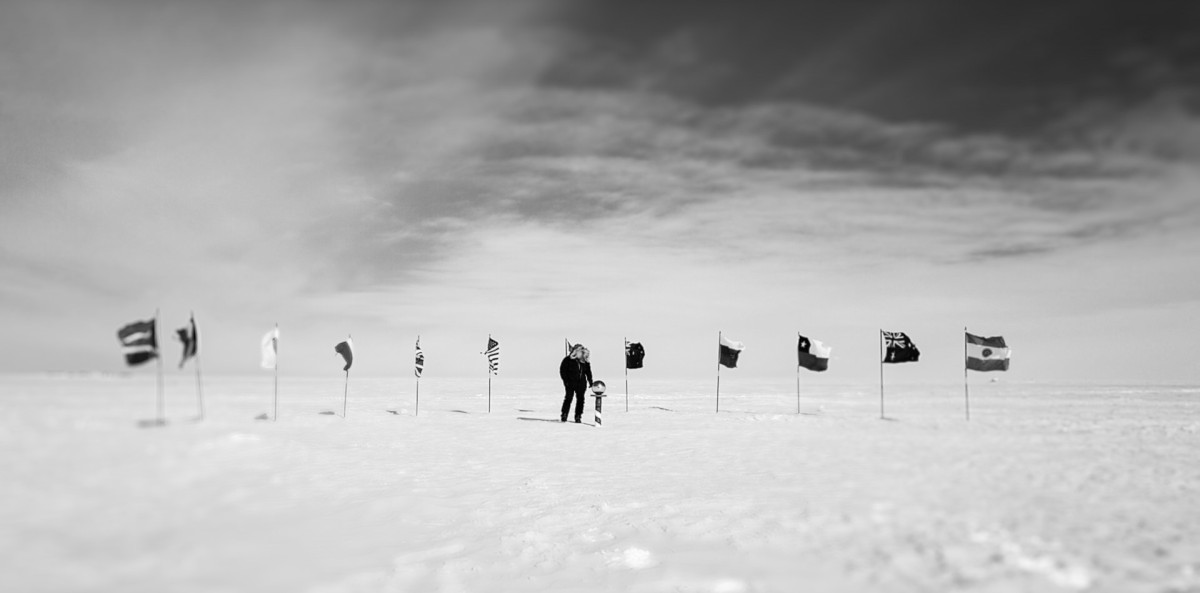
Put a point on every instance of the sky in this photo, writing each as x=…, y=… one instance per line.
x=592, y=171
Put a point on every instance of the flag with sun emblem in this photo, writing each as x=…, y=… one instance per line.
x=987, y=354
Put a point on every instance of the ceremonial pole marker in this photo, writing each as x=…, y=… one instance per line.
x=598, y=393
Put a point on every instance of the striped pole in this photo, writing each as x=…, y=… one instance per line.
x=599, y=401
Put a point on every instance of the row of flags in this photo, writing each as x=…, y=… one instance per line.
x=982, y=353
x=140, y=344
x=139, y=341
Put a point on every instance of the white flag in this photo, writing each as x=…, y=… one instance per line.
x=270, y=349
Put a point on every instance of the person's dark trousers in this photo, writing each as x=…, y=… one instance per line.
x=566, y=407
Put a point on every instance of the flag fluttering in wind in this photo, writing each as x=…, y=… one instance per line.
x=634, y=354
x=270, y=349
x=139, y=341
x=729, y=352
x=190, y=339
x=812, y=354
x=346, y=349
x=493, y=356
x=987, y=354
x=420, y=365
x=899, y=348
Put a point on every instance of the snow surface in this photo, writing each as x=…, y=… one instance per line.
x=1045, y=488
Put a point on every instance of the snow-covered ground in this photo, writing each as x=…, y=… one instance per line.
x=1045, y=489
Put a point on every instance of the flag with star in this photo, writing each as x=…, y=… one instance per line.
x=812, y=354
x=899, y=348
x=493, y=355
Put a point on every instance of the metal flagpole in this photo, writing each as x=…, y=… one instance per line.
x=158, y=355
x=489, y=377
x=881, y=374
x=199, y=385
x=626, y=374
x=797, y=374
x=966, y=389
x=276, y=372
x=718, y=372
x=417, y=409
x=345, y=393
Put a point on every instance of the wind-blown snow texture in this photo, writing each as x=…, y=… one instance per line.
x=1045, y=489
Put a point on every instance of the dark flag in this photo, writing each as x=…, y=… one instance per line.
x=346, y=349
x=899, y=348
x=812, y=354
x=140, y=342
x=634, y=353
x=729, y=352
x=420, y=368
x=493, y=356
x=987, y=354
x=190, y=339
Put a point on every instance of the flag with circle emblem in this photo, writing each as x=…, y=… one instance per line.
x=987, y=354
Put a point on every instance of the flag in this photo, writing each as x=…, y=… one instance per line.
x=190, y=339
x=812, y=354
x=346, y=349
x=139, y=341
x=899, y=348
x=270, y=349
x=420, y=368
x=634, y=353
x=987, y=354
x=493, y=356
x=729, y=352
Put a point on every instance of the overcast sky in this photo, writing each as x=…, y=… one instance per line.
x=593, y=170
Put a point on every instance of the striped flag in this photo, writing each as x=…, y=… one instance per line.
x=493, y=356
x=729, y=351
x=346, y=349
x=899, y=348
x=420, y=368
x=987, y=354
x=139, y=340
x=270, y=349
x=812, y=354
x=190, y=339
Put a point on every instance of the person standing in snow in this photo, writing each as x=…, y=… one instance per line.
x=576, y=373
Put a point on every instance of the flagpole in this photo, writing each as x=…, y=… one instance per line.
x=199, y=385
x=158, y=356
x=417, y=409
x=881, y=374
x=489, y=377
x=718, y=371
x=346, y=393
x=276, y=338
x=626, y=374
x=966, y=389
x=797, y=374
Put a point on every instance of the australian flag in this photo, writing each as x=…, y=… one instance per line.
x=634, y=353
x=899, y=348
